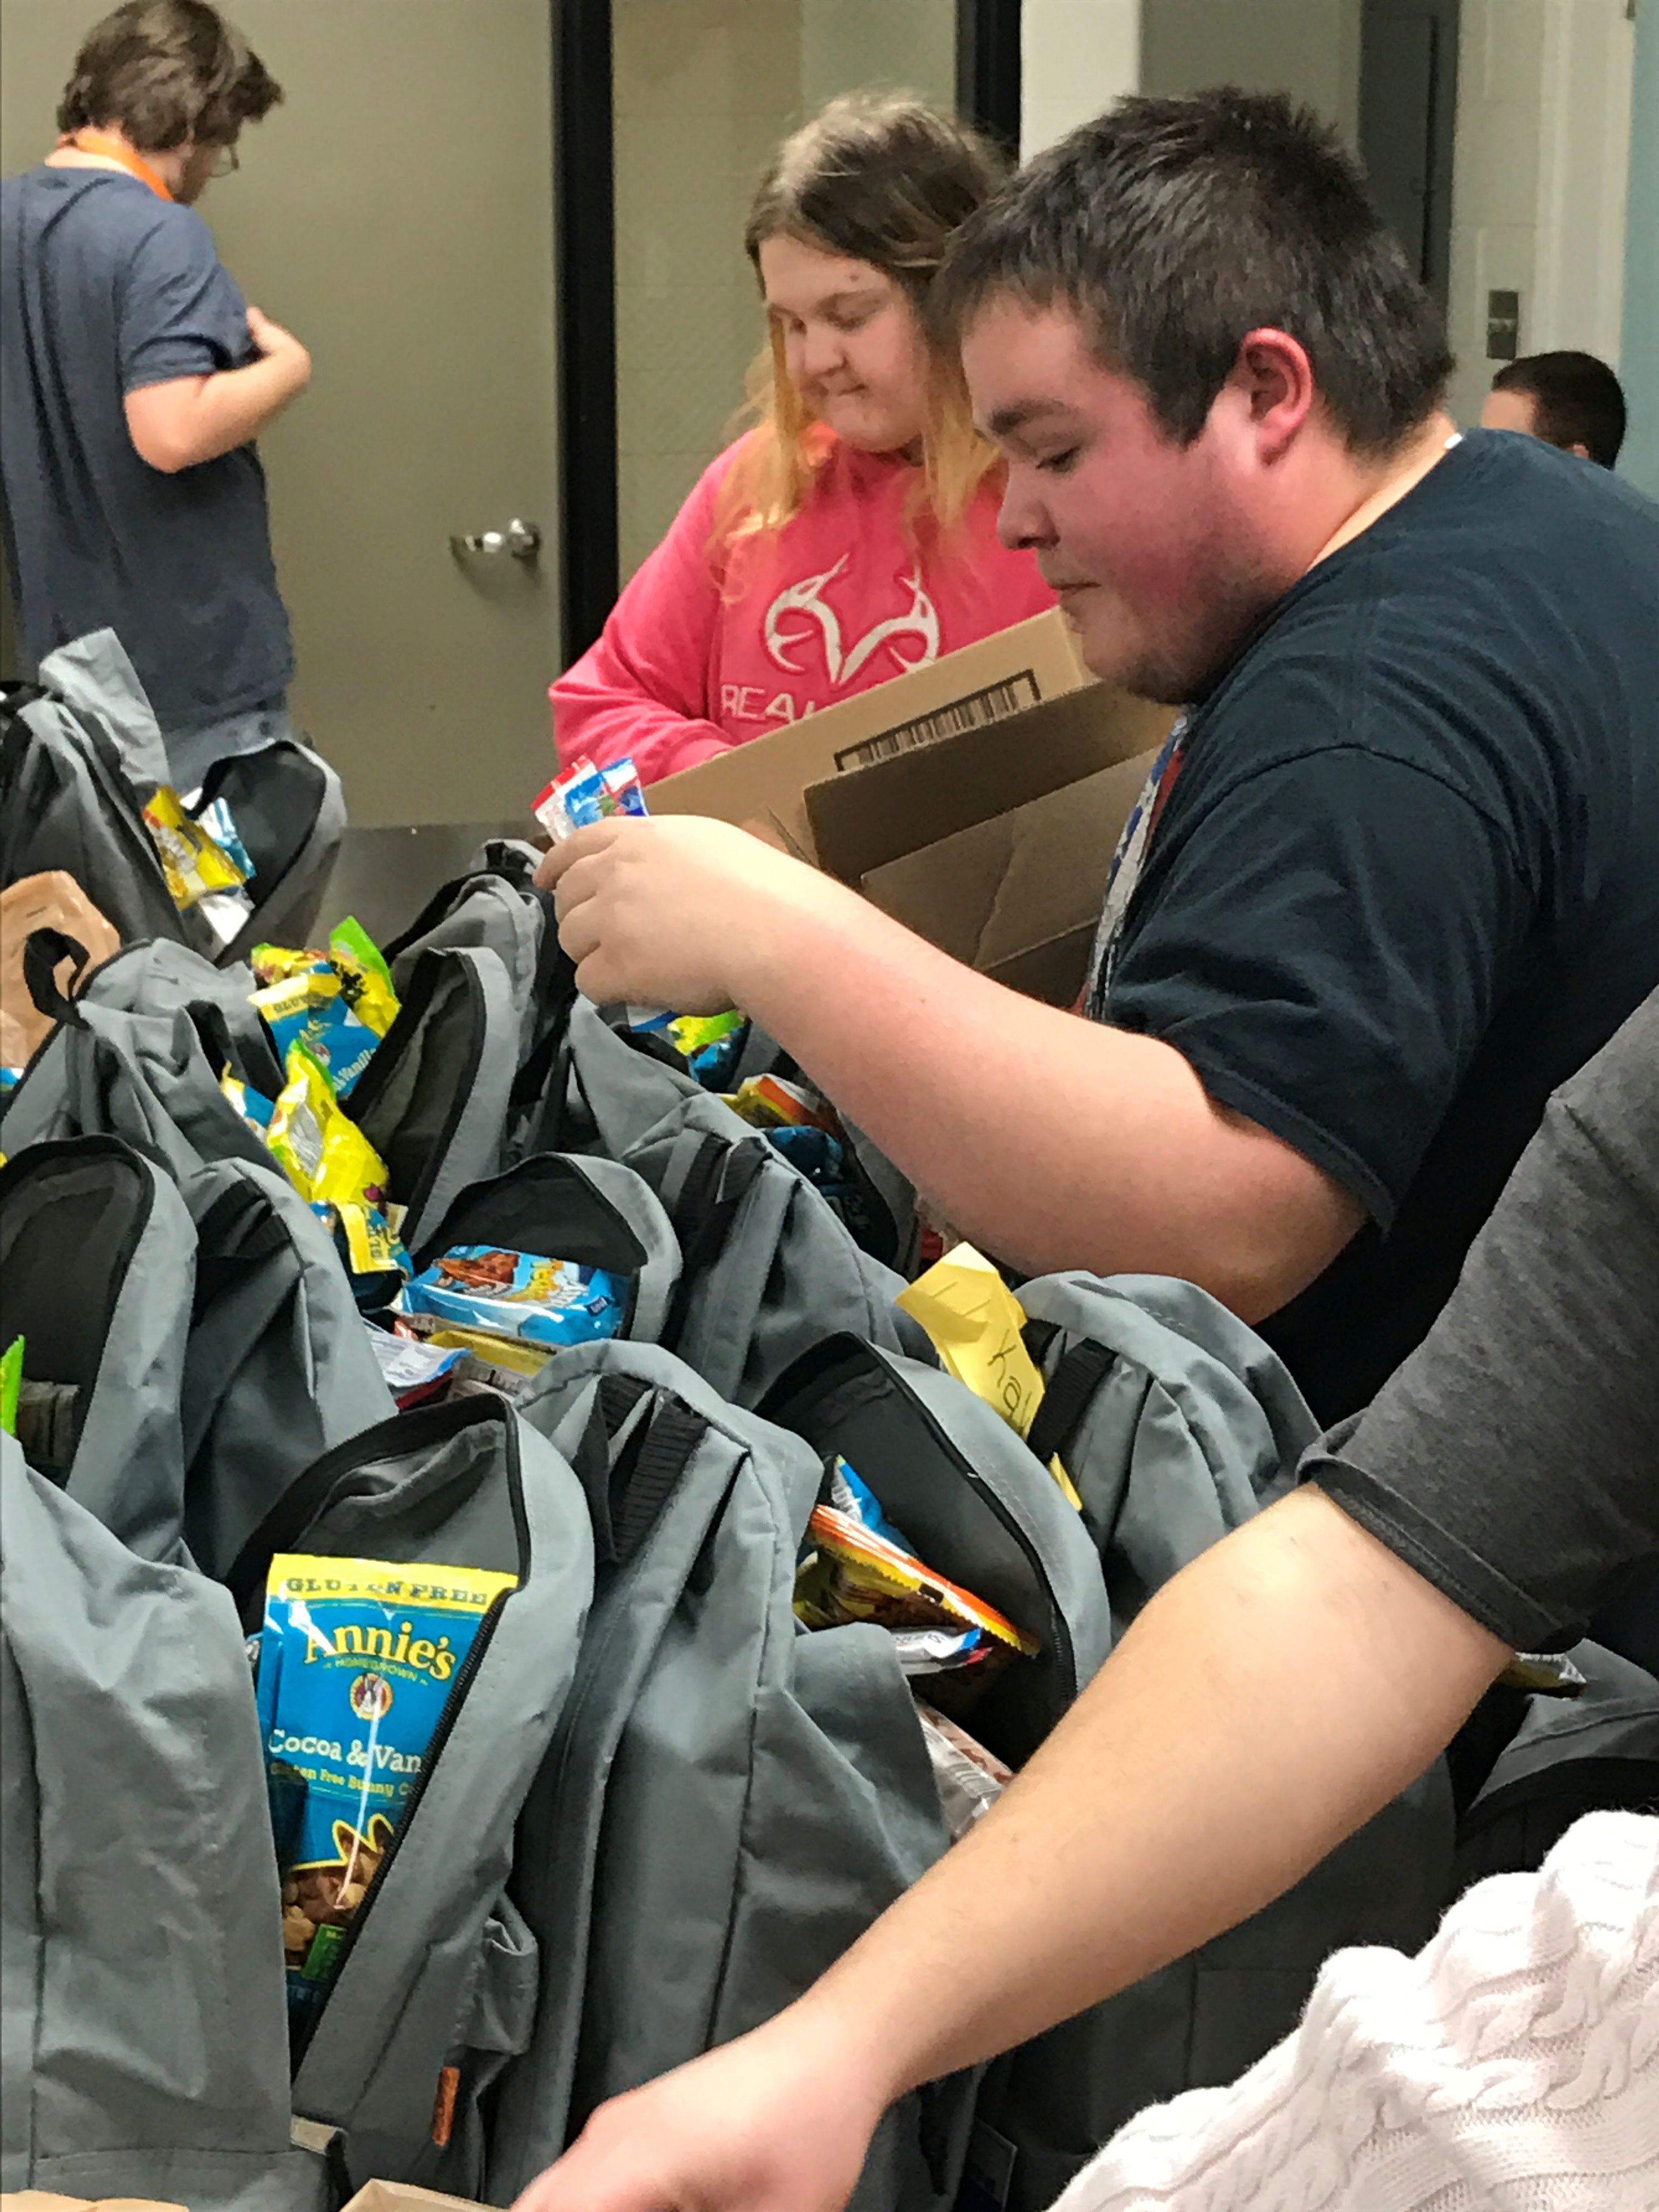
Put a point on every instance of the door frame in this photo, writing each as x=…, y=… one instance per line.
x=585, y=261
x=1446, y=16
x=585, y=281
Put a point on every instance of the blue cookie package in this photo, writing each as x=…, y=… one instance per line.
x=520, y=1294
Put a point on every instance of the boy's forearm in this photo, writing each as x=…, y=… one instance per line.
x=237, y=403
x=214, y=414
x=1052, y=1140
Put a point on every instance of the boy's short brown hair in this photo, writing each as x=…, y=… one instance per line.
x=167, y=73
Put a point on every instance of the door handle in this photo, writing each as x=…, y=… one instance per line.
x=519, y=541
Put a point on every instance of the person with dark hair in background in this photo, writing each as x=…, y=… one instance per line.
x=1397, y=874
x=134, y=379
x=1568, y=399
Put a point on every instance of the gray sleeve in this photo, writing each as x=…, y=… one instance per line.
x=182, y=312
x=1513, y=1459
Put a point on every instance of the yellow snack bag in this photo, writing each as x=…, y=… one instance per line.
x=974, y=1320
x=364, y=976
x=275, y=963
x=515, y=1352
x=373, y=1248
x=194, y=863
x=327, y=1157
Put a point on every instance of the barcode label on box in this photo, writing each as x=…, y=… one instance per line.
x=1012, y=696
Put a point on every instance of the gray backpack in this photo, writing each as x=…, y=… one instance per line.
x=495, y=905
x=279, y=1366
x=1596, y=1752
x=144, y=2045
x=69, y=803
x=767, y=1268
x=730, y=1800
x=65, y=803
x=169, y=2071
x=97, y=1273
x=137, y=1053
x=290, y=812
x=187, y=1353
x=433, y=1100
x=1173, y=1419
x=1177, y=1424
x=950, y=1473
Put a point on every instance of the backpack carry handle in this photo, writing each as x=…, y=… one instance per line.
x=1066, y=1400
x=44, y=951
x=718, y=1180
x=626, y=1493
x=223, y=1048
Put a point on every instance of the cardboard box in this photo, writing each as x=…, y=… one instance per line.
x=996, y=846
x=977, y=800
x=760, y=785
x=403, y=2196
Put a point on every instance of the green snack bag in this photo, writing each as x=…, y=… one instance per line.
x=11, y=1379
x=358, y=963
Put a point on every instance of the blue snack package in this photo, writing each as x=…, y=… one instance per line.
x=520, y=1294
x=848, y=1494
x=357, y=1659
x=593, y=794
x=255, y=1109
x=216, y=819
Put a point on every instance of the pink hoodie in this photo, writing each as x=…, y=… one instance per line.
x=704, y=650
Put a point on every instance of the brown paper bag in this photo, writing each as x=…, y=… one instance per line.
x=53, y=900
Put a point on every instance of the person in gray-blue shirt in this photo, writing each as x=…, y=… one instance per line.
x=134, y=379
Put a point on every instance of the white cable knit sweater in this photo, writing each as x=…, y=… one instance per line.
x=1512, y=2066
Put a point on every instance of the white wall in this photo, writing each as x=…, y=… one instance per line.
x=1541, y=178
x=1638, y=365
x=1309, y=48
x=1076, y=57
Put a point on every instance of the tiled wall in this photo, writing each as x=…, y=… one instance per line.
x=704, y=89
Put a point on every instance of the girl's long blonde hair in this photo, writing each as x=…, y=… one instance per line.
x=880, y=178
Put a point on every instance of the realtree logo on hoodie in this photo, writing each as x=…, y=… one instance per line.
x=710, y=645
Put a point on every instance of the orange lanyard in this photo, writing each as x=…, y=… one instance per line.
x=95, y=141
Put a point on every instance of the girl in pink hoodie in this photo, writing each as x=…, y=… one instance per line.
x=851, y=535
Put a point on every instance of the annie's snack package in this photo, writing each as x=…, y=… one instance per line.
x=357, y=1659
